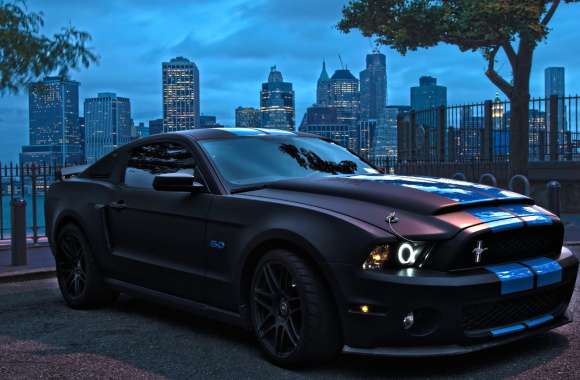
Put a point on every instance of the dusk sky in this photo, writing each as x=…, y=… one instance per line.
x=234, y=43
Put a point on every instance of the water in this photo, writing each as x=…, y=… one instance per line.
x=5, y=225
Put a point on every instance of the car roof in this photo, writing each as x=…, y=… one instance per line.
x=213, y=133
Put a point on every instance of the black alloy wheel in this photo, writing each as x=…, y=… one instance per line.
x=292, y=311
x=80, y=281
x=72, y=266
x=278, y=310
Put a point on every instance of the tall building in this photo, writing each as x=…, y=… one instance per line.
x=385, y=140
x=323, y=87
x=108, y=124
x=180, y=95
x=54, y=133
x=555, y=84
x=141, y=130
x=428, y=94
x=155, y=126
x=323, y=121
x=373, y=87
x=247, y=117
x=277, y=102
x=345, y=97
x=208, y=121
x=82, y=139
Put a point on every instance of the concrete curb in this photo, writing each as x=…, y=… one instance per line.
x=27, y=274
x=7, y=247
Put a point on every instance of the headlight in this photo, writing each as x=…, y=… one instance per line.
x=395, y=255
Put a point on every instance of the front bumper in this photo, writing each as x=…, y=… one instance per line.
x=454, y=313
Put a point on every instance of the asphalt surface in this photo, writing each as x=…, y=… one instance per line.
x=41, y=338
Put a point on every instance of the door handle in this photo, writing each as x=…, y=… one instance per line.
x=119, y=205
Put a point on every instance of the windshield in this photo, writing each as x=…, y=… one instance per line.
x=257, y=160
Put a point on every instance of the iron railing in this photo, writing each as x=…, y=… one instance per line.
x=481, y=131
x=30, y=182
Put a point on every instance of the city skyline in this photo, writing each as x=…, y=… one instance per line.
x=231, y=68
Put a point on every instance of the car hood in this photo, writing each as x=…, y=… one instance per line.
x=426, y=206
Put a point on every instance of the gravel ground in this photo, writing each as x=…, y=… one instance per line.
x=41, y=338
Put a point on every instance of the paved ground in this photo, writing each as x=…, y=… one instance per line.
x=41, y=338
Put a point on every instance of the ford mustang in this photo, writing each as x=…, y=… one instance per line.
x=309, y=246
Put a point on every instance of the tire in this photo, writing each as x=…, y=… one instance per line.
x=292, y=312
x=79, y=279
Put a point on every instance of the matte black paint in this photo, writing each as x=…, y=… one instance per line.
x=159, y=244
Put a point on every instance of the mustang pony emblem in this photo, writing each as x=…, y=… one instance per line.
x=478, y=251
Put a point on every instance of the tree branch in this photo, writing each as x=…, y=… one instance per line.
x=551, y=12
x=494, y=77
x=510, y=52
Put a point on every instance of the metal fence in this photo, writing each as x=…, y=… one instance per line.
x=30, y=182
x=481, y=131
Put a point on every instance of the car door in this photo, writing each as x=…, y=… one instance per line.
x=158, y=236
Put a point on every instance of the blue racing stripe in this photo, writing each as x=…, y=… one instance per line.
x=538, y=321
x=489, y=214
x=513, y=277
x=505, y=224
x=507, y=330
x=548, y=271
x=530, y=214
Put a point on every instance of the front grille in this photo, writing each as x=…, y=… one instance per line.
x=483, y=316
x=512, y=245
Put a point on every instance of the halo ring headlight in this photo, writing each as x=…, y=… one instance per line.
x=407, y=254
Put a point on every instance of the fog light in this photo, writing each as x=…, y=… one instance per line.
x=408, y=321
x=364, y=308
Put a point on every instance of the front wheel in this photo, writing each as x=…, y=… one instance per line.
x=80, y=281
x=292, y=312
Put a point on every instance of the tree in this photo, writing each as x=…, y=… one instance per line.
x=26, y=54
x=512, y=26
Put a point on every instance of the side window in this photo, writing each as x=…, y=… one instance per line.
x=147, y=161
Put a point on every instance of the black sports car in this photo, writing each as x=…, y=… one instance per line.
x=309, y=246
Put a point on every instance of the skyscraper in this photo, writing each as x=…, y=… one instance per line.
x=323, y=87
x=345, y=97
x=108, y=124
x=180, y=95
x=247, y=117
x=277, y=102
x=54, y=133
x=385, y=140
x=373, y=87
x=428, y=94
x=555, y=85
x=155, y=126
x=323, y=121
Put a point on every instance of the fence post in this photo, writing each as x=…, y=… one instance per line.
x=413, y=135
x=441, y=134
x=487, y=133
x=554, y=196
x=18, y=231
x=554, y=151
x=34, y=205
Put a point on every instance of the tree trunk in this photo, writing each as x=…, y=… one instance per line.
x=520, y=106
x=519, y=134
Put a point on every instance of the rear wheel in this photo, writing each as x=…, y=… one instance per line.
x=292, y=311
x=79, y=279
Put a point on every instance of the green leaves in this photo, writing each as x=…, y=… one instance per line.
x=25, y=54
x=468, y=24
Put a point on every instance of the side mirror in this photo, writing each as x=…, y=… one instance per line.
x=177, y=182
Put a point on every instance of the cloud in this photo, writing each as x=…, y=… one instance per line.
x=234, y=42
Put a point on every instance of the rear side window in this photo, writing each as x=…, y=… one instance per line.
x=147, y=161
